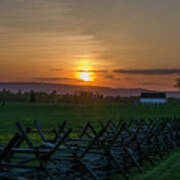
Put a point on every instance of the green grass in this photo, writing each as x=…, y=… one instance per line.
x=49, y=115
x=169, y=169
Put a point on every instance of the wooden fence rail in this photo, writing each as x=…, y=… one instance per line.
x=95, y=153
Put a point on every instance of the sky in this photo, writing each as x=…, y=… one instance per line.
x=115, y=43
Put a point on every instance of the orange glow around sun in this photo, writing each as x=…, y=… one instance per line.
x=84, y=71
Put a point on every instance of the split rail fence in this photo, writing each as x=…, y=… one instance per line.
x=95, y=153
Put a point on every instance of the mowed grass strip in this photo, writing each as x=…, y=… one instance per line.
x=166, y=170
x=169, y=169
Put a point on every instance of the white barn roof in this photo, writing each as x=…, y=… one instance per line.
x=153, y=98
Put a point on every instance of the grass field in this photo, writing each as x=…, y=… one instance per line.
x=169, y=169
x=49, y=115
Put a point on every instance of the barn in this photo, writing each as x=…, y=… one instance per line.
x=153, y=98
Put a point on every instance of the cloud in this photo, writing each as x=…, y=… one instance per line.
x=56, y=79
x=47, y=27
x=112, y=77
x=55, y=69
x=95, y=71
x=151, y=84
x=148, y=71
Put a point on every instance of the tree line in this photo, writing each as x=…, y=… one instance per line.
x=81, y=97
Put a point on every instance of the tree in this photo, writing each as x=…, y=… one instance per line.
x=32, y=96
x=177, y=83
x=53, y=96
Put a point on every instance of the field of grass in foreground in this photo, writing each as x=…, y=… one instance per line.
x=49, y=115
x=169, y=169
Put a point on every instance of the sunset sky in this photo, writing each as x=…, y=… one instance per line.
x=115, y=43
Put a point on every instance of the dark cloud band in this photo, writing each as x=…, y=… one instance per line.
x=148, y=71
x=95, y=71
x=56, y=79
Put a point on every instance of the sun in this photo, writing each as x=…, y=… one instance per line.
x=85, y=76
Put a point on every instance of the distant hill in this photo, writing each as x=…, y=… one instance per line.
x=70, y=89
